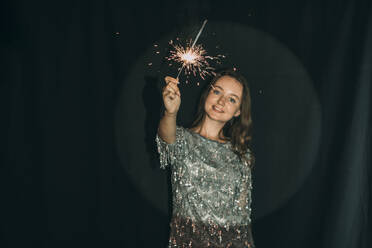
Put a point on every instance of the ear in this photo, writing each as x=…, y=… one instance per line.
x=237, y=113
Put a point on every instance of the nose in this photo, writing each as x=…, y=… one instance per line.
x=221, y=100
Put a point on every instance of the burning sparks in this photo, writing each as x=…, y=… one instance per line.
x=193, y=59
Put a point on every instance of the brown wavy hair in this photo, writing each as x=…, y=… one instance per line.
x=238, y=129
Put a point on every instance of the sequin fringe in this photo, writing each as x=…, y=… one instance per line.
x=188, y=233
x=169, y=152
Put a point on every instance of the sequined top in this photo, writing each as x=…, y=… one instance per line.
x=211, y=192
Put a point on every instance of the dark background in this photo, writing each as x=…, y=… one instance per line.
x=63, y=65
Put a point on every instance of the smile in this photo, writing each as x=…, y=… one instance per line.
x=217, y=109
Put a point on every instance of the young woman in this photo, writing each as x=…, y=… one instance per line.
x=211, y=164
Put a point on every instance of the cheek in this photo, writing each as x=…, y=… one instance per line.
x=234, y=108
x=209, y=100
x=206, y=103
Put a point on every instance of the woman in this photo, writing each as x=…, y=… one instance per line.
x=211, y=164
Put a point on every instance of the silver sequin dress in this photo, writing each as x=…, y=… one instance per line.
x=211, y=192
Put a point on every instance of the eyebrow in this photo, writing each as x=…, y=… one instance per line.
x=216, y=86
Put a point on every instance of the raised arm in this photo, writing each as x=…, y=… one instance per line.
x=172, y=100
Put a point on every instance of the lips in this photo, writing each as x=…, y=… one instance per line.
x=217, y=109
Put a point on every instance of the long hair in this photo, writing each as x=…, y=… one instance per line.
x=237, y=129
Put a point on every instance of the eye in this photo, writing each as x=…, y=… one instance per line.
x=232, y=100
x=216, y=92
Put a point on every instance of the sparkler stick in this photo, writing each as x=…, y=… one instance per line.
x=193, y=44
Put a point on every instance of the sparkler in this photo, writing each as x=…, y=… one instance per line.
x=193, y=57
x=189, y=57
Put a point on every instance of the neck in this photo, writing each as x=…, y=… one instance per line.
x=210, y=129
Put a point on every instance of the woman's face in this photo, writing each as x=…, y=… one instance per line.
x=224, y=99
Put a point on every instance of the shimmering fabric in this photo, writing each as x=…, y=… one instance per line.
x=211, y=192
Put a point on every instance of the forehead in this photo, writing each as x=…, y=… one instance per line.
x=230, y=85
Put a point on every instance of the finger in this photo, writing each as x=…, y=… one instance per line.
x=172, y=88
x=178, y=91
x=174, y=85
x=175, y=88
x=170, y=96
x=169, y=79
x=169, y=93
x=167, y=88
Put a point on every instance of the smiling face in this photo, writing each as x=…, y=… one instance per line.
x=224, y=99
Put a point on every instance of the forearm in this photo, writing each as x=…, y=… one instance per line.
x=167, y=127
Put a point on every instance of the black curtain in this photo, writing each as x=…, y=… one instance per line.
x=64, y=182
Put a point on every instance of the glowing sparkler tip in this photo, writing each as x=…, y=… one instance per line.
x=189, y=56
x=193, y=59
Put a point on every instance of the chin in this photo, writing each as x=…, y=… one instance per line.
x=220, y=117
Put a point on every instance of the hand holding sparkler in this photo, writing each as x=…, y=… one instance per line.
x=171, y=96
